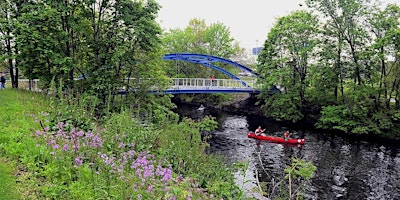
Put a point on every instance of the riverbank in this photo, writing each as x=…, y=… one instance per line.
x=244, y=104
x=241, y=104
x=69, y=162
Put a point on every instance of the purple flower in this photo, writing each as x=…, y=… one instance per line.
x=167, y=174
x=159, y=170
x=189, y=198
x=121, y=145
x=78, y=161
x=38, y=133
x=97, y=141
x=121, y=168
x=179, y=178
x=172, y=198
x=79, y=133
x=59, y=133
x=89, y=135
x=139, y=173
x=76, y=147
x=52, y=153
x=131, y=153
x=60, y=125
x=56, y=146
x=148, y=171
x=139, y=197
x=150, y=188
x=65, y=147
x=52, y=141
x=108, y=160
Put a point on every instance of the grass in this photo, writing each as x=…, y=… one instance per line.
x=8, y=189
x=80, y=172
x=18, y=109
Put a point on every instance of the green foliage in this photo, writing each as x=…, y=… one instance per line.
x=299, y=172
x=356, y=120
x=282, y=108
x=198, y=37
x=102, y=44
x=301, y=168
x=336, y=70
x=114, y=161
x=208, y=123
x=75, y=110
x=122, y=128
x=182, y=145
x=284, y=62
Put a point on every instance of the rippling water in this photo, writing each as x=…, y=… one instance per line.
x=346, y=168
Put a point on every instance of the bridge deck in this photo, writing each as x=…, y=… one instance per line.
x=201, y=85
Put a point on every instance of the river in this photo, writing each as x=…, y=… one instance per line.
x=347, y=167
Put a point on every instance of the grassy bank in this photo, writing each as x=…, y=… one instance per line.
x=16, y=119
x=120, y=159
x=8, y=189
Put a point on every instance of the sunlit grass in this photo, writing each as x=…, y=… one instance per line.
x=18, y=110
x=7, y=182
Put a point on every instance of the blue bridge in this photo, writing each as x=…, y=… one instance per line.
x=201, y=85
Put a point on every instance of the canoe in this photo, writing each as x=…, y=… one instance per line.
x=276, y=139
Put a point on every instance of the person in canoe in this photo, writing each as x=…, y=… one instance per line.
x=259, y=131
x=286, y=135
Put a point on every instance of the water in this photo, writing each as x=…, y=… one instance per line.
x=347, y=168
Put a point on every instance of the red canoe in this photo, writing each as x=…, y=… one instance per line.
x=276, y=139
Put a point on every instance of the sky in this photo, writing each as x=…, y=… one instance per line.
x=248, y=20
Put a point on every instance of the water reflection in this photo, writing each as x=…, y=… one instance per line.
x=346, y=168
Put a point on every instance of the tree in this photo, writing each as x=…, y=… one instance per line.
x=199, y=38
x=9, y=13
x=358, y=40
x=384, y=27
x=95, y=47
x=346, y=17
x=284, y=62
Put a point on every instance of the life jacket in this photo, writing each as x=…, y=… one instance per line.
x=286, y=134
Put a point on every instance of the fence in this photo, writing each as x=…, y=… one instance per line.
x=28, y=84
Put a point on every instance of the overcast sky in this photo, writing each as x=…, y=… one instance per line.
x=248, y=20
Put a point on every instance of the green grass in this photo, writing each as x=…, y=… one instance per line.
x=41, y=175
x=8, y=184
x=19, y=108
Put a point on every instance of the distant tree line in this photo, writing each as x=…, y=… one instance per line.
x=337, y=65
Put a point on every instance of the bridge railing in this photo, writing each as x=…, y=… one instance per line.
x=175, y=83
x=203, y=82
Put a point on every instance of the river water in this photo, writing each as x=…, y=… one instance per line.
x=347, y=167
